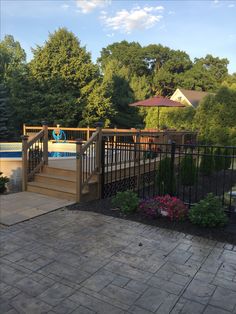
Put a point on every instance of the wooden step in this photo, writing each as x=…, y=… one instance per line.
x=51, y=179
x=61, y=183
x=52, y=190
x=66, y=173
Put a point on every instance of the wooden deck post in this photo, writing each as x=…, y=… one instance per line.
x=24, y=162
x=134, y=135
x=115, y=130
x=79, y=169
x=138, y=145
x=45, y=142
x=99, y=160
x=88, y=133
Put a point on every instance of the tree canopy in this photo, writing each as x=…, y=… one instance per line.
x=62, y=85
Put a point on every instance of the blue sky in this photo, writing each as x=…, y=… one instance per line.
x=197, y=27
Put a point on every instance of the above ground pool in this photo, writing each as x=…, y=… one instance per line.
x=18, y=154
x=11, y=159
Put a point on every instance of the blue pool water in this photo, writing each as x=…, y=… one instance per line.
x=50, y=154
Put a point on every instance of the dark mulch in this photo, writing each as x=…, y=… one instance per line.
x=223, y=234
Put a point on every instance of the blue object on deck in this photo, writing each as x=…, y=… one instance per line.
x=61, y=136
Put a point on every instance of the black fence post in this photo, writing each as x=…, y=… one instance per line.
x=172, y=165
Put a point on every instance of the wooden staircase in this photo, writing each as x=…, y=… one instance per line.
x=61, y=183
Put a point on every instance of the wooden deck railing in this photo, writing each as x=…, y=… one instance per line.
x=145, y=136
x=89, y=149
x=34, y=154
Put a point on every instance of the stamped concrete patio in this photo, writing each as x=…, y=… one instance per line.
x=18, y=207
x=82, y=262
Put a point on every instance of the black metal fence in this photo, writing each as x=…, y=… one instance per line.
x=189, y=172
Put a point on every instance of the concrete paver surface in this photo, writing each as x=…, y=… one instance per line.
x=82, y=262
x=17, y=207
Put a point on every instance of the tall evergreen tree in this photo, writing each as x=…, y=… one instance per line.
x=14, y=76
x=65, y=75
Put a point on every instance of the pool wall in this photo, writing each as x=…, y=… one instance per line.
x=12, y=169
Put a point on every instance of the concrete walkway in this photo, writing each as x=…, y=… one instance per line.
x=86, y=263
x=18, y=207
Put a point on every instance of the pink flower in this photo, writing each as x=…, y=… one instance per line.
x=166, y=205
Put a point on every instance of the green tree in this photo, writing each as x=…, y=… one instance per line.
x=116, y=78
x=188, y=170
x=156, y=56
x=218, y=159
x=98, y=107
x=128, y=55
x=12, y=58
x=206, y=74
x=215, y=117
x=65, y=75
x=166, y=180
x=14, y=76
x=166, y=78
x=207, y=162
x=198, y=78
x=142, y=90
x=4, y=133
x=230, y=81
x=173, y=118
x=215, y=66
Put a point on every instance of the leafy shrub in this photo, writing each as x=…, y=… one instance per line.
x=168, y=206
x=166, y=179
x=3, y=181
x=150, y=207
x=188, y=170
x=208, y=212
x=172, y=207
x=207, y=162
x=218, y=159
x=127, y=201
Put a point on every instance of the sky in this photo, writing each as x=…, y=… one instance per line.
x=197, y=27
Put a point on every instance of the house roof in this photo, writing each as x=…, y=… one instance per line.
x=193, y=96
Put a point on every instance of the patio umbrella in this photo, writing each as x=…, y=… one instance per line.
x=157, y=101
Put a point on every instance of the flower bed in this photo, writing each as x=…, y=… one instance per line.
x=225, y=233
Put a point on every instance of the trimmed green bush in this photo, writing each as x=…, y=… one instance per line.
x=188, y=170
x=208, y=212
x=127, y=201
x=227, y=158
x=207, y=162
x=166, y=180
x=3, y=181
x=218, y=159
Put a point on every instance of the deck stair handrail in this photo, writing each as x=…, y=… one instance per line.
x=88, y=162
x=34, y=154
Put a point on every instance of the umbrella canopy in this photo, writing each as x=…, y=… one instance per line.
x=157, y=101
